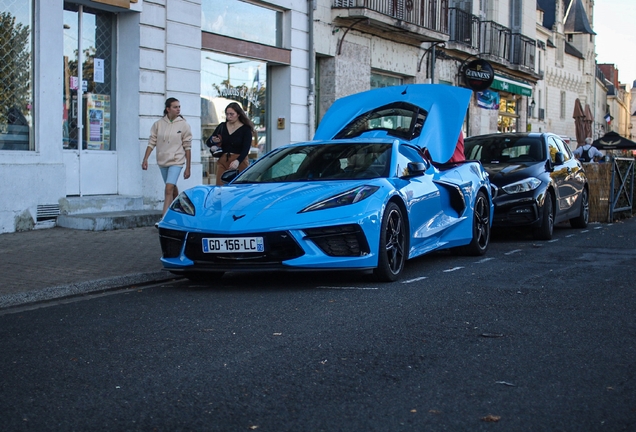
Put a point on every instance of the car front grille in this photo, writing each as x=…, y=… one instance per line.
x=340, y=240
x=279, y=246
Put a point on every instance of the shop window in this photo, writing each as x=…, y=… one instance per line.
x=508, y=116
x=16, y=75
x=226, y=79
x=379, y=80
x=95, y=89
x=243, y=21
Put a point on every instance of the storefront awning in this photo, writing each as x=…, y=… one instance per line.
x=511, y=86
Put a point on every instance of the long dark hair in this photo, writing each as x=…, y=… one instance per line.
x=169, y=102
x=242, y=117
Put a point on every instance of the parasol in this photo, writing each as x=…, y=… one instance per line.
x=589, y=119
x=613, y=141
x=579, y=123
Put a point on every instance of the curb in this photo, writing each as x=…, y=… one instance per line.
x=79, y=288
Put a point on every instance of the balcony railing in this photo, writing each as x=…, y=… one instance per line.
x=486, y=37
x=523, y=50
x=464, y=28
x=495, y=40
x=430, y=14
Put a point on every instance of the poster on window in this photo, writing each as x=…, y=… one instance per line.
x=97, y=121
x=488, y=99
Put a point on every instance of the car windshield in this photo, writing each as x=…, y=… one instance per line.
x=400, y=119
x=320, y=162
x=504, y=149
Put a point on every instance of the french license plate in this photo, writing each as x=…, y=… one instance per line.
x=233, y=244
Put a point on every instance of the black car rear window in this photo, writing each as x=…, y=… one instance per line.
x=505, y=149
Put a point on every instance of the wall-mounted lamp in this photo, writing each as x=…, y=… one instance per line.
x=533, y=104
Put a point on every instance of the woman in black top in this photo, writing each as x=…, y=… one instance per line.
x=234, y=138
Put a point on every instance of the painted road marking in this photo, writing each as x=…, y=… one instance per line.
x=453, y=269
x=346, y=288
x=483, y=260
x=416, y=279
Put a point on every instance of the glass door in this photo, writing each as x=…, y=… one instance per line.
x=87, y=124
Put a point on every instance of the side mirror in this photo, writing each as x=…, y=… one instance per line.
x=416, y=168
x=229, y=175
x=559, y=158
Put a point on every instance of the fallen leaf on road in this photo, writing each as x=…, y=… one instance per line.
x=491, y=418
x=492, y=335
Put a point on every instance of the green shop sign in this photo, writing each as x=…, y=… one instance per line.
x=511, y=86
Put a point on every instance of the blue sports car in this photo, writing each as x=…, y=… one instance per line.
x=372, y=190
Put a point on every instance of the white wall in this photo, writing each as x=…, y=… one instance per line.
x=32, y=178
x=169, y=66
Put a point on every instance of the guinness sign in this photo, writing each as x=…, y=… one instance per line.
x=478, y=75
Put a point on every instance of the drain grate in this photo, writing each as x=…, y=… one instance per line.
x=48, y=212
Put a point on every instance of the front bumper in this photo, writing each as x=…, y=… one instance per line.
x=332, y=247
x=518, y=210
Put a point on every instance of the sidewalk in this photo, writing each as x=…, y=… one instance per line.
x=59, y=262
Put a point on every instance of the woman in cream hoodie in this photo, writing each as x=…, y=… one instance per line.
x=173, y=138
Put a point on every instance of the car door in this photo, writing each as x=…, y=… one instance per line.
x=574, y=181
x=562, y=177
x=423, y=202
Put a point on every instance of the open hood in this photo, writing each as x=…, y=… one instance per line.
x=445, y=107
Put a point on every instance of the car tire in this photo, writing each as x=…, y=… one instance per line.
x=481, y=229
x=544, y=232
x=582, y=219
x=203, y=277
x=392, y=249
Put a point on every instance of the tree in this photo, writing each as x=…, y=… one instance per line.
x=15, y=66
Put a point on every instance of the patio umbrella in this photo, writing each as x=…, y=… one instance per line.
x=589, y=119
x=613, y=141
x=579, y=123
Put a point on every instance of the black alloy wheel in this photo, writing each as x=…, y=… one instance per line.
x=544, y=232
x=392, y=250
x=584, y=216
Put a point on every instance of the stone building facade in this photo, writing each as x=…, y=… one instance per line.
x=618, y=102
x=567, y=62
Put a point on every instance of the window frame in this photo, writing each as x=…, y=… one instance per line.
x=28, y=113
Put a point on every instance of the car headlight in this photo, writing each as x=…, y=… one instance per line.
x=349, y=197
x=524, y=185
x=182, y=204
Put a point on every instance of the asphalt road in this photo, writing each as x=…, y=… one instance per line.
x=534, y=336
